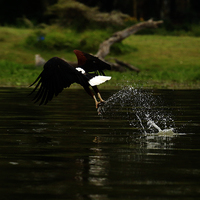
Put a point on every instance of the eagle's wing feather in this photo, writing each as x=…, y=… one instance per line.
x=56, y=75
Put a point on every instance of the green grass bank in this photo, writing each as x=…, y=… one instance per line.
x=168, y=62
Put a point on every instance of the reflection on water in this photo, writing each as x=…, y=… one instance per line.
x=64, y=150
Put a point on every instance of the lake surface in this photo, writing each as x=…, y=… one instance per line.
x=64, y=150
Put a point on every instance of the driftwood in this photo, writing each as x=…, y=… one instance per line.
x=104, y=48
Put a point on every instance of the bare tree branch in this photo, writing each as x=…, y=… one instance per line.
x=104, y=48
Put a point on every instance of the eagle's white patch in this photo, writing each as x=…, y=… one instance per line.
x=80, y=70
x=97, y=80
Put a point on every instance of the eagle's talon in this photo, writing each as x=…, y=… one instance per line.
x=100, y=107
x=102, y=103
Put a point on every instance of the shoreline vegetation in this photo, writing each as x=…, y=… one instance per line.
x=165, y=62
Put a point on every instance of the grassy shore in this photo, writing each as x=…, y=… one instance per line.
x=165, y=61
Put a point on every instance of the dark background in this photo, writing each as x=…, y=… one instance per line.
x=174, y=11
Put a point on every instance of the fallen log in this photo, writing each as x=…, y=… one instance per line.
x=127, y=65
x=104, y=48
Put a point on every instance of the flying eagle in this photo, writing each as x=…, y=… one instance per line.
x=58, y=74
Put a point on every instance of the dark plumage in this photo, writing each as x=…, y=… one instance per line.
x=91, y=63
x=58, y=74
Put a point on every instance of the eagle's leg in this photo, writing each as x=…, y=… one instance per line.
x=87, y=89
x=100, y=104
x=96, y=102
x=98, y=93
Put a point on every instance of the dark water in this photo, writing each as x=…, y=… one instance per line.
x=66, y=151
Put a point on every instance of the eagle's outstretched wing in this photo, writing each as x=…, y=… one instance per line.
x=56, y=75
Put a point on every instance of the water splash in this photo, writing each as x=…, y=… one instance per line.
x=141, y=108
x=141, y=124
x=164, y=132
x=151, y=123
